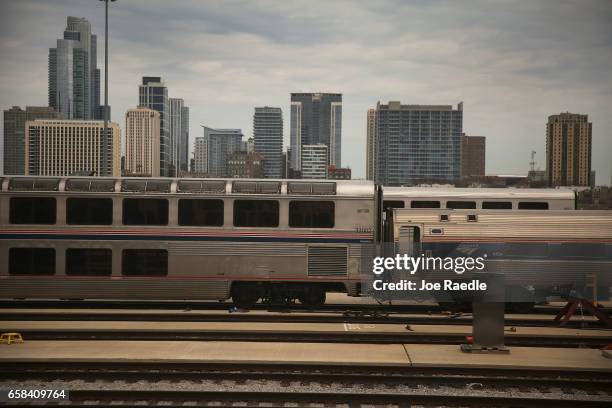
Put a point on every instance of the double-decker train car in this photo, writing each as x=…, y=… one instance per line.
x=207, y=239
x=532, y=249
x=211, y=239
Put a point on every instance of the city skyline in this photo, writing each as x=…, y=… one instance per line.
x=519, y=64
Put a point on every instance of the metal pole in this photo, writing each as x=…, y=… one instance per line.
x=105, y=136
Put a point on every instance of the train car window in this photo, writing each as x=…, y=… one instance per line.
x=311, y=214
x=89, y=211
x=583, y=250
x=144, y=262
x=195, y=212
x=89, y=262
x=461, y=205
x=32, y=261
x=424, y=204
x=496, y=205
x=393, y=204
x=32, y=210
x=256, y=213
x=145, y=211
x=532, y=205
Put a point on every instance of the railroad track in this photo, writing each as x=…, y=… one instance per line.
x=349, y=336
x=231, y=385
x=363, y=317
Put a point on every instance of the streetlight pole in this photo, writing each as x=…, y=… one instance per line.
x=105, y=171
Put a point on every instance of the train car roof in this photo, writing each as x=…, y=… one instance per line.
x=187, y=185
x=477, y=193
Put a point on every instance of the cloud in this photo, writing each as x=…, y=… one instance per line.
x=512, y=63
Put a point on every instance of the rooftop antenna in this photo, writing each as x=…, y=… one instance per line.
x=532, y=163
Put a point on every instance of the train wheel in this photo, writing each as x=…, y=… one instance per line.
x=313, y=297
x=245, y=295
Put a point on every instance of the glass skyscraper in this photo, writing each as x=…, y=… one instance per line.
x=268, y=137
x=417, y=143
x=153, y=94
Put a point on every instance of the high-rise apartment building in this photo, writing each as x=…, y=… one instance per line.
x=153, y=94
x=66, y=147
x=417, y=143
x=142, y=142
x=74, y=79
x=473, y=149
x=314, y=161
x=200, y=157
x=568, y=149
x=268, y=137
x=370, y=144
x=14, y=134
x=215, y=147
x=316, y=118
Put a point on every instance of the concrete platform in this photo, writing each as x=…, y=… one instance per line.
x=310, y=328
x=301, y=353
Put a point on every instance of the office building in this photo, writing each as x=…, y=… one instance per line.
x=568, y=149
x=244, y=164
x=69, y=147
x=268, y=137
x=153, y=94
x=417, y=144
x=473, y=155
x=200, y=157
x=316, y=118
x=184, y=142
x=370, y=144
x=142, y=142
x=314, y=161
x=14, y=134
x=338, y=173
x=214, y=148
x=74, y=79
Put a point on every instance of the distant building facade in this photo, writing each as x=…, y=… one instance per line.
x=568, y=149
x=417, y=144
x=314, y=161
x=473, y=149
x=338, y=173
x=74, y=79
x=213, y=149
x=65, y=147
x=316, y=118
x=200, y=156
x=268, y=138
x=153, y=94
x=184, y=142
x=243, y=164
x=371, y=144
x=142, y=142
x=15, y=137
x=179, y=134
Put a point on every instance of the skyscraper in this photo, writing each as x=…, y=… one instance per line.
x=268, y=135
x=184, y=142
x=371, y=144
x=65, y=147
x=74, y=79
x=154, y=94
x=568, y=149
x=176, y=130
x=473, y=149
x=316, y=118
x=214, y=148
x=14, y=134
x=417, y=143
x=142, y=142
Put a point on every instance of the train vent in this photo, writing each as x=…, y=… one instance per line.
x=197, y=187
x=90, y=185
x=327, y=261
x=256, y=187
x=34, y=184
x=143, y=186
x=311, y=188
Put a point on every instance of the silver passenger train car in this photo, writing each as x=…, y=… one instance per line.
x=133, y=238
x=206, y=239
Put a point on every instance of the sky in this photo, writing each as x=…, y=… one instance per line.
x=512, y=63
